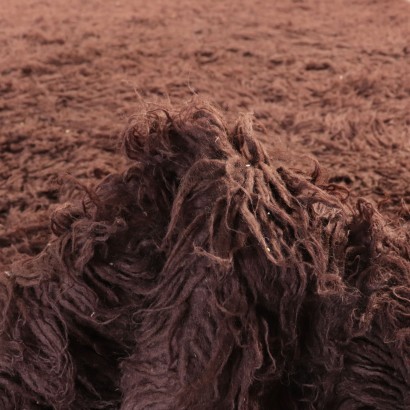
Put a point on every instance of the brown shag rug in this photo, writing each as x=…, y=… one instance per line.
x=209, y=275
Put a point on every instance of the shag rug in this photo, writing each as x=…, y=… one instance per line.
x=209, y=275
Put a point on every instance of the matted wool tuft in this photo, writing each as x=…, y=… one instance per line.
x=209, y=276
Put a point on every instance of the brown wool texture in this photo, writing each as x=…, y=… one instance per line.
x=209, y=276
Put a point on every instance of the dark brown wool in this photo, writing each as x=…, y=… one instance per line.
x=208, y=276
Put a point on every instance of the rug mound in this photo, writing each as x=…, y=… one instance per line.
x=209, y=275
